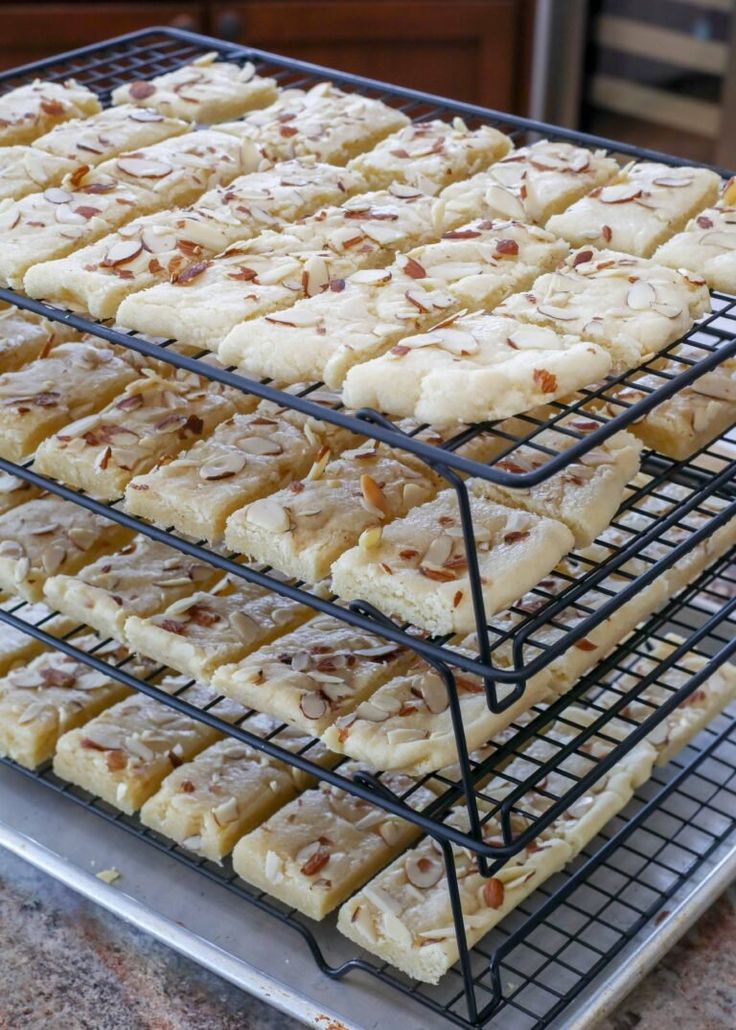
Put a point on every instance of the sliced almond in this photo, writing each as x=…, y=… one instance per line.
x=371, y=538
x=619, y=193
x=313, y=706
x=144, y=167
x=536, y=337
x=641, y=296
x=373, y=497
x=505, y=203
x=260, y=445
x=121, y=252
x=56, y=195
x=222, y=466
x=725, y=240
x=269, y=515
x=371, y=276
x=438, y=551
x=423, y=871
x=245, y=627
x=434, y=694
x=673, y=181
x=226, y=813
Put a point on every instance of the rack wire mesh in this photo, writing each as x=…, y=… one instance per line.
x=674, y=509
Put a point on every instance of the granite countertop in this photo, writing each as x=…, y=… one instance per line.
x=65, y=963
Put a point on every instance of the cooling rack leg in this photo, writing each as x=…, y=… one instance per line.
x=459, y=923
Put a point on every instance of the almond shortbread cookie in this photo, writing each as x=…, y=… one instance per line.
x=246, y=457
x=473, y=368
x=141, y=578
x=275, y=269
x=310, y=677
x=49, y=535
x=25, y=337
x=207, y=90
x=29, y=111
x=17, y=647
x=529, y=184
x=630, y=306
x=124, y=754
x=314, y=852
x=431, y=155
x=210, y=628
x=74, y=379
x=322, y=337
x=416, y=567
x=153, y=420
x=707, y=246
x=304, y=527
x=324, y=121
x=208, y=804
x=160, y=247
x=644, y=205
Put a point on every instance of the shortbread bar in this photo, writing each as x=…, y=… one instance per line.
x=74, y=380
x=707, y=247
x=25, y=337
x=207, y=90
x=49, y=535
x=322, y=337
x=208, y=804
x=275, y=269
x=431, y=155
x=153, y=420
x=29, y=111
x=324, y=122
x=631, y=306
x=17, y=647
x=124, y=754
x=318, y=849
x=416, y=567
x=141, y=578
x=474, y=368
x=246, y=457
x=641, y=208
x=160, y=247
x=310, y=677
x=55, y=693
x=304, y=527
x=529, y=184
x=15, y=491
x=200, y=632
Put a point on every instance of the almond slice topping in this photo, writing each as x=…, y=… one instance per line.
x=122, y=251
x=373, y=499
x=269, y=515
x=641, y=296
x=423, y=871
x=144, y=167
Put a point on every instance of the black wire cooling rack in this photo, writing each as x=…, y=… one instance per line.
x=670, y=515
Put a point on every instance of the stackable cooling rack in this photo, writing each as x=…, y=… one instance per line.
x=673, y=508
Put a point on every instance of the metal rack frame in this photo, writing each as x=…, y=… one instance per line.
x=709, y=502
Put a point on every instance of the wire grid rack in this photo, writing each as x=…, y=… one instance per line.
x=678, y=506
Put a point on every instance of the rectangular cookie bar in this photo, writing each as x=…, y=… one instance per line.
x=208, y=804
x=318, y=849
x=153, y=420
x=324, y=122
x=304, y=527
x=530, y=184
x=29, y=111
x=416, y=567
x=49, y=535
x=206, y=629
x=246, y=457
x=15, y=491
x=124, y=754
x=25, y=336
x=707, y=246
x=16, y=647
x=629, y=305
x=275, y=269
x=160, y=247
x=71, y=382
x=141, y=578
x=431, y=155
x=55, y=693
x=641, y=208
x=204, y=91
x=322, y=337
x=314, y=674
x=473, y=368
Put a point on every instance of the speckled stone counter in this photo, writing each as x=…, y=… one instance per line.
x=66, y=964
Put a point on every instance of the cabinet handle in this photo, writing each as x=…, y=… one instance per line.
x=184, y=21
x=229, y=26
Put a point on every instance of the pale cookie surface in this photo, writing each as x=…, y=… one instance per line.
x=529, y=184
x=17, y=647
x=313, y=675
x=417, y=567
x=207, y=90
x=707, y=246
x=246, y=457
x=301, y=529
x=25, y=337
x=322, y=846
x=208, y=804
x=74, y=380
x=90, y=141
x=475, y=367
x=141, y=578
x=124, y=754
x=644, y=205
x=24, y=170
x=197, y=634
x=324, y=122
x=15, y=491
x=630, y=306
x=153, y=420
x=29, y=111
x=432, y=154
